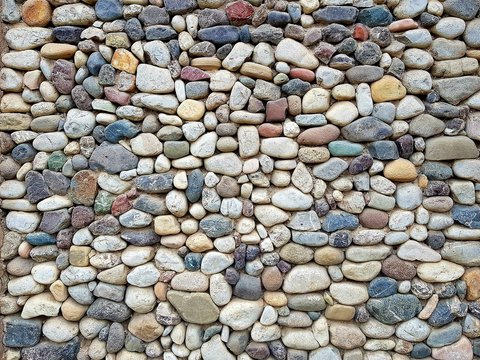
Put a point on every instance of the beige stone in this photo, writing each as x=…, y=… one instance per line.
x=388, y=88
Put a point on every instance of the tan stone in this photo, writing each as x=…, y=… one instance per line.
x=73, y=311
x=388, y=88
x=340, y=312
x=257, y=71
x=450, y=148
x=36, y=12
x=191, y=110
x=13, y=121
x=145, y=327
x=124, y=60
x=58, y=51
x=196, y=308
x=316, y=100
x=166, y=225
x=400, y=170
x=346, y=336
x=59, y=291
x=199, y=242
x=472, y=279
x=275, y=298
x=206, y=63
x=79, y=255
x=328, y=255
x=160, y=290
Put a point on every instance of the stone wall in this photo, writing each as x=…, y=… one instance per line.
x=211, y=179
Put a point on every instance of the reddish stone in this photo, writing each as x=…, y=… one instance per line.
x=115, y=96
x=319, y=135
x=257, y=350
x=190, y=73
x=270, y=130
x=272, y=278
x=373, y=219
x=360, y=32
x=63, y=76
x=64, y=238
x=461, y=350
x=247, y=209
x=277, y=110
x=83, y=187
x=255, y=105
x=324, y=52
x=239, y=12
x=303, y=74
x=398, y=269
x=403, y=25
x=121, y=205
x=82, y=216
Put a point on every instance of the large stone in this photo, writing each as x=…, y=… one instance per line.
x=442, y=271
x=112, y=158
x=454, y=90
x=196, y=308
x=241, y=314
x=306, y=278
x=395, y=308
x=295, y=53
x=450, y=148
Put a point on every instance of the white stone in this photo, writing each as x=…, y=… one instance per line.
x=59, y=330
x=442, y=271
x=240, y=314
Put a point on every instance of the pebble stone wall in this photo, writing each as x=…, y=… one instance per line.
x=220, y=180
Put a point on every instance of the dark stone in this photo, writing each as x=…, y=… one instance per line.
x=67, y=34
x=95, y=62
x=347, y=46
x=219, y=35
x=393, y=309
x=134, y=30
x=383, y=150
x=204, y=48
x=63, y=76
x=446, y=311
x=360, y=164
x=215, y=225
x=239, y=256
x=361, y=314
x=296, y=87
x=381, y=36
x=336, y=14
x=244, y=34
x=437, y=188
x=116, y=338
x=278, y=18
x=52, y=351
x=140, y=237
x=432, y=97
x=179, y=7
x=224, y=50
x=193, y=261
x=257, y=350
x=467, y=215
x=21, y=333
x=420, y=351
x=37, y=188
x=436, y=170
x=195, y=186
x=231, y=276
x=120, y=130
x=153, y=15
x=267, y=33
x=366, y=129
x=174, y=48
x=56, y=160
x=81, y=98
x=160, y=32
x=463, y=9
x=340, y=239
x=334, y=33
x=324, y=52
x=444, y=110
x=444, y=336
x=65, y=237
x=104, y=309
x=211, y=331
x=237, y=341
x=56, y=182
x=154, y=205
x=428, y=20
x=40, y=238
x=364, y=73
x=54, y=221
x=155, y=184
x=445, y=290
x=382, y=287
x=252, y=252
x=405, y=145
x=435, y=240
x=107, y=225
x=375, y=16
x=338, y=220
x=248, y=287
x=398, y=269
x=108, y=10
x=23, y=153
x=112, y=158
x=368, y=53
x=212, y=17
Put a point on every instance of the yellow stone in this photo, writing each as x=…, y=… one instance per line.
x=206, y=63
x=124, y=60
x=166, y=225
x=340, y=312
x=388, y=88
x=256, y=71
x=79, y=255
x=73, y=311
x=275, y=298
x=199, y=243
x=58, y=51
x=328, y=255
x=59, y=291
x=400, y=170
x=422, y=181
x=191, y=110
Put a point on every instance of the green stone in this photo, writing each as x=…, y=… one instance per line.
x=56, y=161
x=344, y=148
x=103, y=202
x=176, y=149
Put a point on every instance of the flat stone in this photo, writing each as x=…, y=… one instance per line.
x=112, y=158
x=301, y=279
x=450, y=148
x=293, y=52
x=196, y=308
x=395, y=308
x=442, y=271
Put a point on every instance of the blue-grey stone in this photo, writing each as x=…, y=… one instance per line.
x=467, y=215
x=393, y=309
x=344, y=148
x=95, y=62
x=248, y=287
x=47, y=350
x=68, y=34
x=134, y=30
x=155, y=184
x=340, y=239
x=382, y=287
x=179, y=7
x=160, y=32
x=195, y=186
x=383, y=150
x=244, y=34
x=140, y=237
x=37, y=188
x=104, y=309
x=219, y=35
x=23, y=153
x=375, y=16
x=338, y=220
x=193, y=261
x=267, y=33
x=366, y=129
x=464, y=9
x=278, y=18
x=112, y=158
x=152, y=204
x=215, y=225
x=21, y=332
x=420, y=351
x=54, y=221
x=444, y=336
x=108, y=10
x=40, y=238
x=311, y=120
x=446, y=311
x=336, y=14
x=295, y=12
x=296, y=87
x=310, y=238
x=120, y=130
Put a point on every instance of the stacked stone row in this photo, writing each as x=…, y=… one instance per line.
x=255, y=179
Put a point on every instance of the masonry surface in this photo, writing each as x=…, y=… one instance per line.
x=220, y=180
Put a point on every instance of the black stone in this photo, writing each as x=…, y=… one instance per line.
x=155, y=184
x=21, y=332
x=179, y=7
x=219, y=35
x=37, y=188
x=68, y=34
x=195, y=186
x=278, y=18
x=48, y=350
x=154, y=15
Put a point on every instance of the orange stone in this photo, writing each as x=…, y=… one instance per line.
x=36, y=12
x=400, y=170
x=124, y=60
x=402, y=25
x=472, y=279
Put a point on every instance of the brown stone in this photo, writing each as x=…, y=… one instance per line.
x=388, y=88
x=400, y=170
x=145, y=327
x=272, y=278
x=83, y=187
x=472, y=279
x=121, y=205
x=277, y=110
x=228, y=187
x=206, y=63
x=402, y=25
x=36, y=12
x=124, y=60
x=256, y=71
x=302, y=74
x=398, y=269
x=340, y=312
x=373, y=219
x=329, y=255
x=319, y=135
x=270, y=130
x=461, y=350
x=58, y=51
x=275, y=298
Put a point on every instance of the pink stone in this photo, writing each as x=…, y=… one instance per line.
x=270, y=130
x=461, y=350
x=121, y=205
x=239, y=12
x=402, y=25
x=277, y=110
x=190, y=73
x=319, y=135
x=303, y=74
x=360, y=32
x=116, y=96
